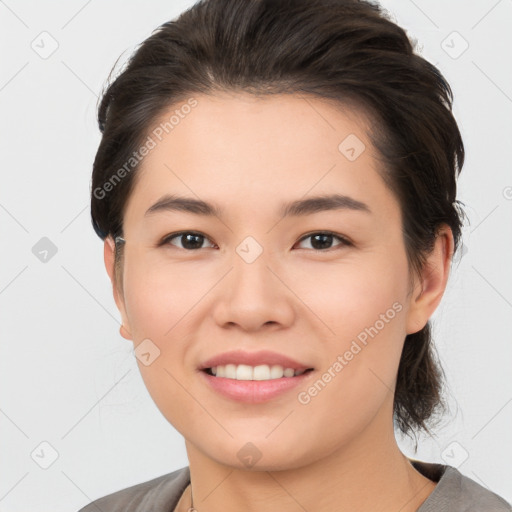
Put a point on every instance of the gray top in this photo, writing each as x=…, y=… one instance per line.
x=454, y=492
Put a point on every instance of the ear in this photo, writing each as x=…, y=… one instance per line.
x=109, y=258
x=428, y=291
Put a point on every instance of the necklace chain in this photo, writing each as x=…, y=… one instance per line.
x=191, y=508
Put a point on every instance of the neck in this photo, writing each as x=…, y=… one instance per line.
x=370, y=473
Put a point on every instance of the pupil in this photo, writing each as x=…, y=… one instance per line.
x=188, y=244
x=325, y=243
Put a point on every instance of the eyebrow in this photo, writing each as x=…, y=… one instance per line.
x=299, y=207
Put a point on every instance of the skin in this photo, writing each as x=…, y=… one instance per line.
x=249, y=155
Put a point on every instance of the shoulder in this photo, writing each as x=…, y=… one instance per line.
x=456, y=492
x=473, y=496
x=159, y=494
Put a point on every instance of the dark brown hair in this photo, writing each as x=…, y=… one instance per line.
x=347, y=51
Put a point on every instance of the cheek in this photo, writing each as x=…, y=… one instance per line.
x=360, y=364
x=158, y=295
x=355, y=293
x=366, y=313
x=157, y=302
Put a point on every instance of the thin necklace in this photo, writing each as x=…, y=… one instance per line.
x=191, y=509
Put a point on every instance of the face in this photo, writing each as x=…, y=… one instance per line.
x=326, y=285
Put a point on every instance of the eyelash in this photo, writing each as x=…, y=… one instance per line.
x=344, y=242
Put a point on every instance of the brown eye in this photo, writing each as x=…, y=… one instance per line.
x=322, y=241
x=189, y=240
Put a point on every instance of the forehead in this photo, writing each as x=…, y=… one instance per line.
x=240, y=149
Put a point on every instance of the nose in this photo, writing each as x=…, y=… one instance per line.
x=254, y=296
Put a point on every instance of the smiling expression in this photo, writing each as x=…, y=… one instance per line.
x=250, y=229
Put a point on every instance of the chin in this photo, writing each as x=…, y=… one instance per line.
x=264, y=455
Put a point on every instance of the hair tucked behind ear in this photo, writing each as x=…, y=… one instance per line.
x=347, y=51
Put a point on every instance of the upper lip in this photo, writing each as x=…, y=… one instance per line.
x=253, y=359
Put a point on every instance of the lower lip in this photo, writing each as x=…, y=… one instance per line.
x=254, y=391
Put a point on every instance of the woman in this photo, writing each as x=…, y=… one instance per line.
x=276, y=192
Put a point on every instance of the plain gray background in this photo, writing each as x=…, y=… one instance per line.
x=76, y=420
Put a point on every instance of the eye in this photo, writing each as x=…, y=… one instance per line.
x=322, y=240
x=193, y=240
x=190, y=240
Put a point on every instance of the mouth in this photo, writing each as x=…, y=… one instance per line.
x=255, y=385
x=254, y=377
x=263, y=372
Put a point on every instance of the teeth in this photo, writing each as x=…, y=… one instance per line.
x=261, y=372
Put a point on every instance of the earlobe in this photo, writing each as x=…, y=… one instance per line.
x=125, y=333
x=429, y=290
